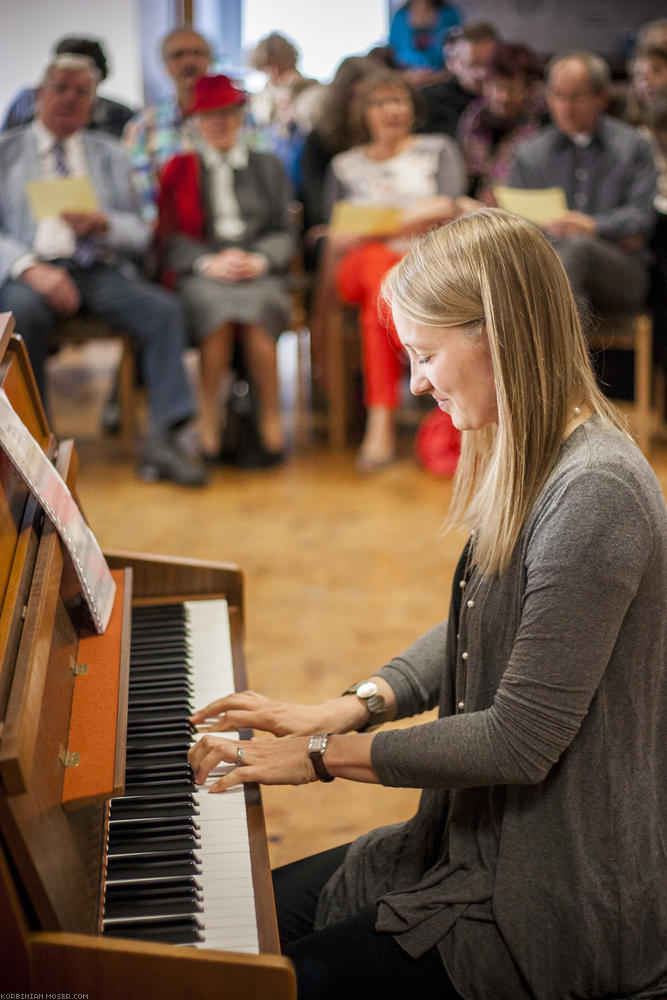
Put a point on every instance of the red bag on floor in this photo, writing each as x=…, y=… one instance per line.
x=438, y=444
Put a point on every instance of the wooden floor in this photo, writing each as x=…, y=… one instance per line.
x=341, y=571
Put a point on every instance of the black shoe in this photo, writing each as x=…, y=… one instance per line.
x=258, y=458
x=165, y=459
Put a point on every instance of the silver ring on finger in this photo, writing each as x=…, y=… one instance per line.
x=239, y=755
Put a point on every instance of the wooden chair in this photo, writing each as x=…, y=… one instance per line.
x=78, y=330
x=298, y=282
x=633, y=333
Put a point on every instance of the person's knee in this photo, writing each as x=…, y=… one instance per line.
x=30, y=309
x=158, y=313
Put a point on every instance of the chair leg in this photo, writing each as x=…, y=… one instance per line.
x=302, y=429
x=336, y=378
x=126, y=392
x=643, y=379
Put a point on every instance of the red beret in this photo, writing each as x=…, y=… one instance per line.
x=212, y=93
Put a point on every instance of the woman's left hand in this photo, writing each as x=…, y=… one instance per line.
x=281, y=761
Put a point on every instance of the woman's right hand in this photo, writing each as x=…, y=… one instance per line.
x=250, y=710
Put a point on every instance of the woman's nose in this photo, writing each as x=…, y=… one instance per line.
x=419, y=384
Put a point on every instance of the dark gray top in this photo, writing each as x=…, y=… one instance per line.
x=613, y=179
x=537, y=861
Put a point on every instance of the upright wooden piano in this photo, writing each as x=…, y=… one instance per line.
x=97, y=866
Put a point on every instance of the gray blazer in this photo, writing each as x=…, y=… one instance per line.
x=110, y=172
x=264, y=193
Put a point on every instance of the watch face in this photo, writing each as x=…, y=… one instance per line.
x=366, y=689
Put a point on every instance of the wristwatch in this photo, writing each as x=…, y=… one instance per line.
x=316, y=747
x=367, y=691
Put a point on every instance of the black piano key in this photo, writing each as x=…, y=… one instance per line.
x=138, y=907
x=168, y=930
x=146, y=811
x=156, y=761
x=158, y=658
x=167, y=681
x=124, y=828
x=176, y=825
x=165, y=888
x=169, y=639
x=152, y=699
x=160, y=788
x=156, y=747
x=146, y=730
x=176, y=767
x=164, y=845
x=153, y=867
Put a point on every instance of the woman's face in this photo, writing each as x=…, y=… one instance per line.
x=220, y=128
x=648, y=75
x=506, y=96
x=446, y=362
x=389, y=113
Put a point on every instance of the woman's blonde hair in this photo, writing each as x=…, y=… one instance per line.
x=493, y=267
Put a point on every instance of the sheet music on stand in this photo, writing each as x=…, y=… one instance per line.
x=50, y=490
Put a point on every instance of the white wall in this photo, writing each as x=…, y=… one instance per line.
x=324, y=31
x=30, y=28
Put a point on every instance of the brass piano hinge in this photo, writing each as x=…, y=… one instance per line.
x=68, y=758
x=77, y=668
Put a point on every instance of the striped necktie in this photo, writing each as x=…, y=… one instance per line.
x=85, y=249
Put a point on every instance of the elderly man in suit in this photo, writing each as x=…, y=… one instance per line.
x=82, y=260
x=606, y=170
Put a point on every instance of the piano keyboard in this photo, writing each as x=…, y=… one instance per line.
x=178, y=863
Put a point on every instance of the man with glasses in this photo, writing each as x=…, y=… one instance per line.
x=605, y=167
x=161, y=130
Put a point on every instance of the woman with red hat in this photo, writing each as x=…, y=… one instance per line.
x=226, y=243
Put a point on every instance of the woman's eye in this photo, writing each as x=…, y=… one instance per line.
x=424, y=361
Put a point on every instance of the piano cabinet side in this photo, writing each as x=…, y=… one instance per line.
x=107, y=968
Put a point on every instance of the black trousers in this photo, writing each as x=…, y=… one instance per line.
x=350, y=959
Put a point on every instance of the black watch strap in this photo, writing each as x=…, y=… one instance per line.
x=316, y=747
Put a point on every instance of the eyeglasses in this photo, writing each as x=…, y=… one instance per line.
x=398, y=100
x=181, y=53
x=578, y=98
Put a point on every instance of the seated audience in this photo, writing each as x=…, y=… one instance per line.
x=162, y=130
x=225, y=232
x=108, y=116
x=81, y=260
x=605, y=167
x=510, y=110
x=421, y=175
x=468, y=51
x=274, y=108
x=417, y=34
